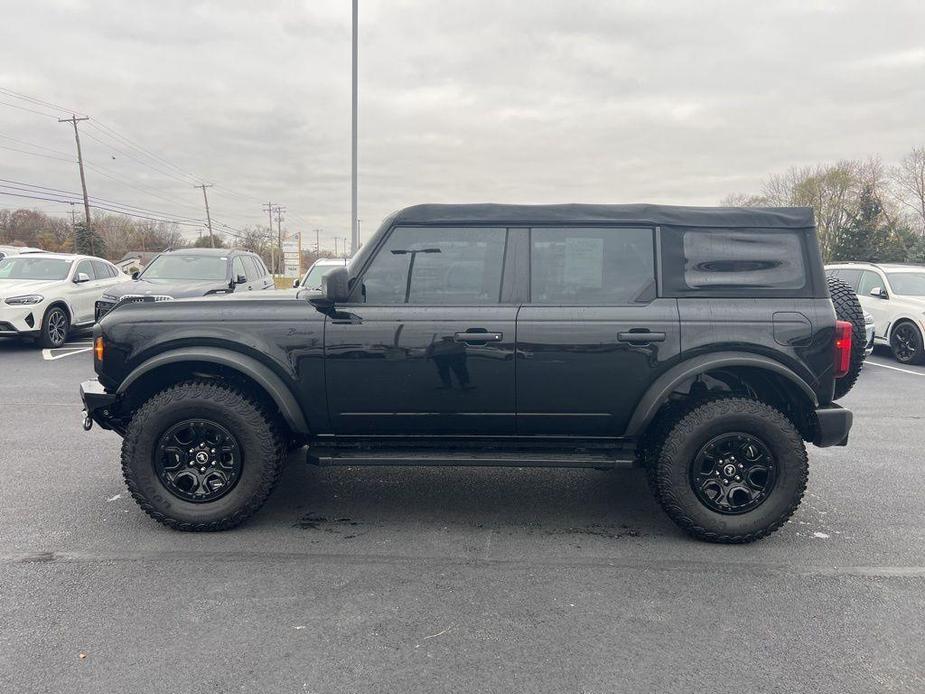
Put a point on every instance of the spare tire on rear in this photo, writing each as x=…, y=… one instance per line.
x=848, y=308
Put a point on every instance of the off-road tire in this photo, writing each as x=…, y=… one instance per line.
x=670, y=474
x=257, y=433
x=848, y=308
x=46, y=337
x=919, y=356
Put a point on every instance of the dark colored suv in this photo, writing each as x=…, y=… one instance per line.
x=698, y=343
x=190, y=272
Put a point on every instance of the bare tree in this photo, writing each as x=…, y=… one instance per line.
x=908, y=179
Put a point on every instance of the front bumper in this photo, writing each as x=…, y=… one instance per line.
x=99, y=406
x=21, y=320
x=833, y=423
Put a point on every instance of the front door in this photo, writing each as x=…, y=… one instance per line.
x=425, y=345
x=595, y=335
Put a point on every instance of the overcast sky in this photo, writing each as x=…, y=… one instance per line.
x=460, y=100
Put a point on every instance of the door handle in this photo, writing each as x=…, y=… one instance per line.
x=473, y=335
x=640, y=337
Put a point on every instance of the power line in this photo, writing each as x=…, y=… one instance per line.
x=34, y=100
x=31, y=110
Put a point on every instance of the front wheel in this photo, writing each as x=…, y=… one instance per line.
x=201, y=456
x=906, y=342
x=731, y=470
x=55, y=328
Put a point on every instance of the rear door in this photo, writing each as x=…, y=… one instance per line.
x=594, y=334
x=426, y=345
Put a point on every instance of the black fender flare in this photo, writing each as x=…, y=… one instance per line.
x=261, y=374
x=661, y=389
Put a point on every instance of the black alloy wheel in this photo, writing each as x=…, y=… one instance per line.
x=198, y=460
x=733, y=473
x=906, y=342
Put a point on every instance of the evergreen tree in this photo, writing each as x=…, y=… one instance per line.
x=88, y=242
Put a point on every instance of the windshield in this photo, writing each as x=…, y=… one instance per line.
x=173, y=266
x=32, y=268
x=907, y=283
x=313, y=277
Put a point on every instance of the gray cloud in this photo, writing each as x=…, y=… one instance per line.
x=461, y=100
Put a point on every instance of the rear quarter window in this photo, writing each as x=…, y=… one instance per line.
x=734, y=262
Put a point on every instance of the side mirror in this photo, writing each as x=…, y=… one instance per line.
x=240, y=279
x=81, y=278
x=135, y=275
x=880, y=293
x=335, y=289
x=295, y=284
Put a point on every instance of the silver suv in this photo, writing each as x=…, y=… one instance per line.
x=894, y=294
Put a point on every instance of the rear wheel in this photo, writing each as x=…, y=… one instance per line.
x=730, y=470
x=201, y=456
x=906, y=342
x=55, y=328
x=848, y=308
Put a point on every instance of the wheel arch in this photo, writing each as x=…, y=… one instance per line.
x=188, y=362
x=62, y=304
x=776, y=375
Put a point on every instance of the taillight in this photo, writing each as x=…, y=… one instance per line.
x=98, y=349
x=843, y=331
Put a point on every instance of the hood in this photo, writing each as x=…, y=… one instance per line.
x=178, y=289
x=10, y=288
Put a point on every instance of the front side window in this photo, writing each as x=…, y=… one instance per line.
x=869, y=282
x=591, y=266
x=316, y=272
x=101, y=269
x=252, y=272
x=174, y=266
x=436, y=266
x=908, y=283
x=25, y=268
x=85, y=267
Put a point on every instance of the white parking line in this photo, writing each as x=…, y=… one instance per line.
x=895, y=368
x=77, y=348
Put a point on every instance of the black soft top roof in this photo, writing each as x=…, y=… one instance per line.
x=656, y=215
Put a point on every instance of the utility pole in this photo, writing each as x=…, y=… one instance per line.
x=73, y=226
x=268, y=208
x=317, y=243
x=335, y=246
x=73, y=120
x=208, y=216
x=355, y=230
x=345, y=247
x=279, y=233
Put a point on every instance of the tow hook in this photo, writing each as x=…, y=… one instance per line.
x=88, y=421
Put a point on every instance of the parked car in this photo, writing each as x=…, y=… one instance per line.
x=49, y=295
x=699, y=343
x=894, y=294
x=321, y=267
x=7, y=251
x=190, y=272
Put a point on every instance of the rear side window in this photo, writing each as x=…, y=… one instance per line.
x=591, y=266
x=728, y=262
x=437, y=266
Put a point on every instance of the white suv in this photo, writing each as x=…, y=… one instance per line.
x=894, y=295
x=47, y=295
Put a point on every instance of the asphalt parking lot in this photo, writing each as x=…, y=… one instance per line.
x=422, y=580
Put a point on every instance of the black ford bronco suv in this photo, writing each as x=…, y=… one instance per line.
x=698, y=343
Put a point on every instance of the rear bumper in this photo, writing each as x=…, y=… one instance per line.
x=99, y=405
x=833, y=423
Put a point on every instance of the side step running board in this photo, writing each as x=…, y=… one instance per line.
x=320, y=455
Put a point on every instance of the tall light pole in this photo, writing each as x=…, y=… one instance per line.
x=355, y=229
